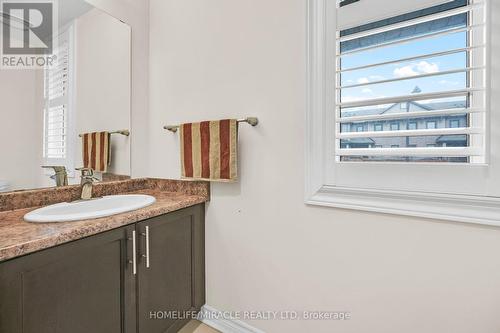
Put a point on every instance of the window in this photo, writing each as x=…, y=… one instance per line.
x=359, y=128
x=378, y=127
x=368, y=58
x=58, y=127
x=394, y=126
x=454, y=123
x=420, y=58
x=431, y=125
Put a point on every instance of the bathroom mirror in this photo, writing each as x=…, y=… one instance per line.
x=44, y=111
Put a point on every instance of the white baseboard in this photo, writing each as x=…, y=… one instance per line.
x=211, y=317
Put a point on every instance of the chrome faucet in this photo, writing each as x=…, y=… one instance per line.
x=87, y=183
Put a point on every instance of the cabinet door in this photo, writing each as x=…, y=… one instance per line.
x=80, y=287
x=174, y=282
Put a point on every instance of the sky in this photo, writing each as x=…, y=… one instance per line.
x=405, y=69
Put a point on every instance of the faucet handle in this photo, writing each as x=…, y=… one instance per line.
x=87, y=174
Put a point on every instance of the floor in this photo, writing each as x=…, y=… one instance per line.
x=195, y=326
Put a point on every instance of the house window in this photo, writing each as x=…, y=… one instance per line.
x=345, y=128
x=378, y=127
x=362, y=68
x=394, y=126
x=412, y=125
x=58, y=106
x=431, y=124
x=359, y=128
x=454, y=123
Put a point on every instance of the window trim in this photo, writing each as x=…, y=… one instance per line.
x=476, y=209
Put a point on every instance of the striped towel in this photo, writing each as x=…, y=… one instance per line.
x=209, y=150
x=96, y=151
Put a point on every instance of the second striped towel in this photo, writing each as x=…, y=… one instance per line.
x=209, y=150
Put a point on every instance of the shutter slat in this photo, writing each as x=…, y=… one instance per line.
x=422, y=132
x=424, y=152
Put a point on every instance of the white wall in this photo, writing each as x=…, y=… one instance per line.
x=20, y=128
x=266, y=250
x=103, y=83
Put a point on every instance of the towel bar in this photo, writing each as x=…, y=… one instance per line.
x=254, y=121
x=122, y=132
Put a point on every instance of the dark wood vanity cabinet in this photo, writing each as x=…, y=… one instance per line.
x=172, y=283
x=79, y=287
x=89, y=285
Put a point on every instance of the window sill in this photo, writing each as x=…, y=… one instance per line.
x=457, y=208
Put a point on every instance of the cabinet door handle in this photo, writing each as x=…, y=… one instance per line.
x=134, y=253
x=146, y=234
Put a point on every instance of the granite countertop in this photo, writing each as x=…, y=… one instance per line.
x=18, y=237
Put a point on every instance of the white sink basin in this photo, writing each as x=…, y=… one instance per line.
x=91, y=209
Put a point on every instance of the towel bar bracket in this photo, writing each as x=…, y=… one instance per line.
x=253, y=121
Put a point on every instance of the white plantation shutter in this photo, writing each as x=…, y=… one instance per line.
x=363, y=130
x=56, y=109
x=387, y=129
x=57, y=106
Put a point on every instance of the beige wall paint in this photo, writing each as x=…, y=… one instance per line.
x=266, y=250
x=103, y=83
